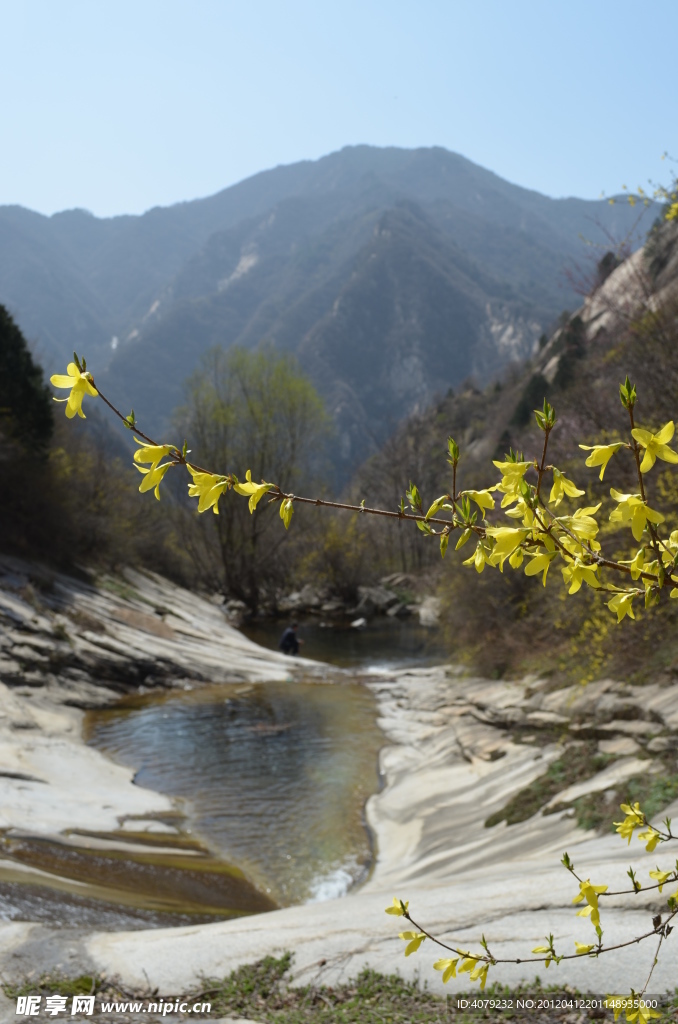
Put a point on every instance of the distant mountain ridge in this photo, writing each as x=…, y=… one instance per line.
x=393, y=274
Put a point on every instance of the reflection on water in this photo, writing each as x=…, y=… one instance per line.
x=384, y=643
x=274, y=777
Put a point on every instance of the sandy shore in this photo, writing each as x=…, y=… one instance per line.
x=457, y=750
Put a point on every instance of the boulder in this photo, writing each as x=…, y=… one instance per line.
x=399, y=611
x=374, y=601
x=309, y=598
x=235, y=611
x=429, y=611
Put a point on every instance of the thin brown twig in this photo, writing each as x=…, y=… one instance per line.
x=635, y=447
x=449, y=525
x=547, y=431
x=654, y=963
x=535, y=959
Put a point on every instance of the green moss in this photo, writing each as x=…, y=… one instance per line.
x=120, y=589
x=653, y=793
x=53, y=981
x=581, y=762
x=261, y=991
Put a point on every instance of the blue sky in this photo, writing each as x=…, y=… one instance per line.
x=117, y=106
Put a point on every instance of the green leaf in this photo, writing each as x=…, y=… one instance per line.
x=627, y=393
x=437, y=505
x=444, y=541
x=413, y=496
x=466, y=535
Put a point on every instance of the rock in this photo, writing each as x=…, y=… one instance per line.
x=429, y=611
x=622, y=745
x=397, y=579
x=615, y=774
x=661, y=743
x=631, y=728
x=309, y=598
x=10, y=671
x=234, y=1020
x=400, y=611
x=235, y=611
x=335, y=607
x=290, y=603
x=359, y=623
x=546, y=718
x=375, y=601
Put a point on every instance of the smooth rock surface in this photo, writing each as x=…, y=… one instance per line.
x=443, y=780
x=457, y=750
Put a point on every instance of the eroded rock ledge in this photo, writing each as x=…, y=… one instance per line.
x=459, y=751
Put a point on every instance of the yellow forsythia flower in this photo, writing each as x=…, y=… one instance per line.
x=539, y=563
x=207, y=487
x=641, y=1014
x=80, y=384
x=651, y=838
x=480, y=974
x=621, y=604
x=483, y=499
x=153, y=477
x=577, y=572
x=448, y=967
x=512, y=477
x=590, y=893
x=399, y=908
x=656, y=446
x=637, y=563
x=632, y=507
x=153, y=453
x=661, y=876
x=601, y=454
x=582, y=524
x=252, y=490
x=413, y=940
x=561, y=487
x=479, y=557
x=582, y=949
x=634, y=819
x=506, y=540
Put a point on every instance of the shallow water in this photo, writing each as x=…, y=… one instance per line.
x=273, y=777
x=384, y=643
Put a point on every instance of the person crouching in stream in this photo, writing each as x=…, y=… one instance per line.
x=289, y=641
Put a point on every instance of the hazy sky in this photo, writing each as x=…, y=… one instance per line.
x=117, y=106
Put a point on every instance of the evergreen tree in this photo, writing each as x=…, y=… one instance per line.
x=25, y=400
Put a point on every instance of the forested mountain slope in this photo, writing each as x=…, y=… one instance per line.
x=627, y=325
x=285, y=257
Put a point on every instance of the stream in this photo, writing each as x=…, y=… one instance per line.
x=269, y=782
x=272, y=777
